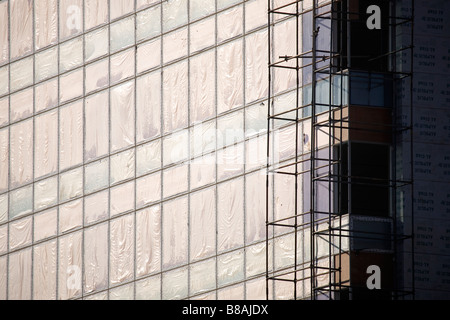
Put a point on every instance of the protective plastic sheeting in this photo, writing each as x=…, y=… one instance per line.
x=174, y=14
x=120, y=7
x=148, y=23
x=4, y=159
x=201, y=8
x=4, y=41
x=121, y=249
x=45, y=65
x=4, y=79
x=256, y=71
x=231, y=293
x=175, y=233
x=96, y=44
x=71, y=184
x=230, y=214
x=122, y=166
x=96, y=207
x=148, y=157
x=45, y=193
x=125, y=292
x=175, y=45
x=148, y=55
x=71, y=216
x=97, y=128
x=122, y=115
x=230, y=161
x=96, y=258
x=71, y=135
x=95, y=13
x=149, y=288
x=202, y=89
x=230, y=129
x=4, y=239
x=202, y=224
x=70, y=265
x=202, y=276
x=203, y=171
x=148, y=241
x=122, y=66
x=46, y=95
x=96, y=176
x=44, y=271
x=3, y=276
x=175, y=180
x=255, y=12
x=97, y=75
x=4, y=111
x=21, y=27
x=71, y=85
x=255, y=217
x=21, y=201
x=21, y=104
x=255, y=153
x=176, y=147
x=19, y=273
x=175, y=284
x=20, y=233
x=21, y=153
x=70, y=54
x=230, y=76
x=70, y=18
x=3, y=207
x=256, y=289
x=148, y=189
x=46, y=22
x=255, y=262
x=122, y=34
x=229, y=23
x=46, y=144
x=148, y=106
x=122, y=198
x=230, y=267
x=203, y=138
x=202, y=34
x=22, y=73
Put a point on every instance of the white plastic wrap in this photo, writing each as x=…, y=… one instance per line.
x=4, y=111
x=21, y=104
x=230, y=267
x=122, y=198
x=256, y=153
x=255, y=259
x=121, y=249
x=175, y=284
x=203, y=34
x=4, y=79
x=46, y=65
x=71, y=85
x=70, y=135
x=19, y=273
x=95, y=13
x=122, y=34
x=202, y=276
x=96, y=207
x=21, y=201
x=20, y=233
x=148, y=55
x=148, y=157
x=230, y=161
x=285, y=197
x=201, y=8
x=96, y=176
x=3, y=276
x=175, y=45
x=122, y=166
x=231, y=293
x=96, y=44
x=149, y=288
x=71, y=54
x=143, y=3
x=101, y=296
x=202, y=224
x=125, y=292
x=230, y=76
x=174, y=14
x=70, y=216
x=21, y=153
x=203, y=170
x=44, y=271
x=3, y=239
x=46, y=95
x=284, y=290
x=71, y=184
x=4, y=159
x=255, y=214
x=176, y=147
x=21, y=73
x=46, y=22
x=122, y=115
x=45, y=193
x=97, y=128
x=70, y=265
x=3, y=207
x=148, y=189
x=4, y=37
x=203, y=138
x=229, y=23
x=97, y=75
x=148, y=241
x=96, y=258
x=255, y=14
x=21, y=27
x=148, y=23
x=46, y=144
x=225, y=3
x=256, y=71
x=256, y=119
x=122, y=66
x=202, y=89
x=175, y=180
x=284, y=251
x=148, y=106
x=256, y=289
x=70, y=18
x=230, y=222
x=230, y=129
x=120, y=7
x=175, y=232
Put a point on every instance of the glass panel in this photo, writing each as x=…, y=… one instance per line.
x=96, y=176
x=201, y=8
x=148, y=157
x=46, y=66
x=174, y=14
x=122, y=166
x=96, y=44
x=148, y=23
x=45, y=193
x=202, y=276
x=149, y=288
x=122, y=34
x=20, y=233
x=70, y=54
x=21, y=201
x=230, y=267
x=71, y=184
x=122, y=116
x=175, y=284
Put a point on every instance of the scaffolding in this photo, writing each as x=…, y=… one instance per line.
x=329, y=235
